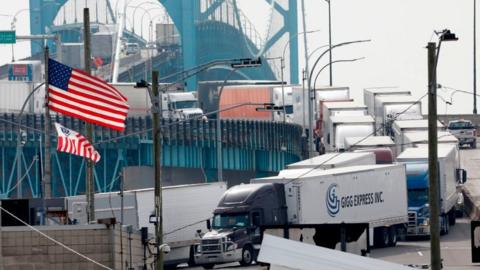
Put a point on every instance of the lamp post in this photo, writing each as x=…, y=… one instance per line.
x=13, y=26
x=474, y=56
x=433, y=55
x=336, y=61
x=330, y=38
x=242, y=64
x=311, y=97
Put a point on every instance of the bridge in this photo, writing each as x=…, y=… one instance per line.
x=209, y=30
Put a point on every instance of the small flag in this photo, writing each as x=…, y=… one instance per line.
x=72, y=142
x=77, y=94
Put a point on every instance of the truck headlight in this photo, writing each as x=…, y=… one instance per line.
x=426, y=222
x=199, y=248
x=231, y=246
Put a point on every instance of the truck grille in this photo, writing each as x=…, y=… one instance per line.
x=211, y=246
x=412, y=219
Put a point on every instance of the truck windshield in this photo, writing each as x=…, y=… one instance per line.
x=460, y=125
x=185, y=104
x=417, y=197
x=231, y=220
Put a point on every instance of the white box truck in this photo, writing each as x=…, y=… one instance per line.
x=369, y=95
x=185, y=209
x=394, y=107
x=341, y=127
x=300, y=102
x=372, y=194
x=449, y=176
x=175, y=104
x=400, y=127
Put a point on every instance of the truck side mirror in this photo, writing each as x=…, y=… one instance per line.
x=461, y=176
x=256, y=219
x=464, y=176
x=209, y=225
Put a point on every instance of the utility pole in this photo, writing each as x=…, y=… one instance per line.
x=47, y=185
x=157, y=152
x=90, y=188
x=435, y=259
x=474, y=56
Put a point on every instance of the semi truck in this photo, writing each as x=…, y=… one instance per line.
x=185, y=209
x=341, y=127
x=372, y=194
x=176, y=105
x=401, y=127
x=369, y=95
x=449, y=176
x=395, y=107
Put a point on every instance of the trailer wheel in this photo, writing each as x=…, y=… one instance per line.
x=392, y=236
x=452, y=218
x=247, y=256
x=381, y=237
x=208, y=266
x=445, y=226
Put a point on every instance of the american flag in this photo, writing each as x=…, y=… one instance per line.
x=72, y=142
x=75, y=93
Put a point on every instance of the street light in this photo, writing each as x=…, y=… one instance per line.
x=330, y=38
x=474, y=56
x=336, y=61
x=311, y=97
x=433, y=55
x=13, y=26
x=242, y=63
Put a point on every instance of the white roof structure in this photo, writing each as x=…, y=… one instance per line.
x=387, y=91
x=422, y=137
x=331, y=160
x=419, y=123
x=369, y=141
x=282, y=253
x=344, y=105
x=421, y=152
x=352, y=119
x=397, y=99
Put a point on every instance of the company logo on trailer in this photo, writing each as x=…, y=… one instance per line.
x=332, y=201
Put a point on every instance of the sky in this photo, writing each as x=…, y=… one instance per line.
x=396, y=56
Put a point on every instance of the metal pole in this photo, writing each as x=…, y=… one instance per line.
x=1, y=244
x=309, y=92
x=474, y=56
x=47, y=185
x=432, y=159
x=90, y=188
x=219, y=130
x=121, y=222
x=330, y=40
x=282, y=66
x=157, y=148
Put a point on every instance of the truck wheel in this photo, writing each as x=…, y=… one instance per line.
x=473, y=145
x=208, y=266
x=392, y=236
x=191, y=259
x=444, y=228
x=247, y=256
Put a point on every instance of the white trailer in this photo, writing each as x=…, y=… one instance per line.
x=185, y=210
x=283, y=97
x=334, y=160
x=341, y=127
x=420, y=138
x=374, y=194
x=394, y=107
x=342, y=108
x=400, y=127
x=369, y=95
x=300, y=101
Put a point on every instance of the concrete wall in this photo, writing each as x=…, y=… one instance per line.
x=23, y=248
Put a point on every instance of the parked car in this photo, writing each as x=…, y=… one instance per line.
x=465, y=131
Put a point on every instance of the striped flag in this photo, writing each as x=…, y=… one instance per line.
x=75, y=93
x=72, y=142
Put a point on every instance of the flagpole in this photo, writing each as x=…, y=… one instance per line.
x=47, y=185
x=90, y=188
